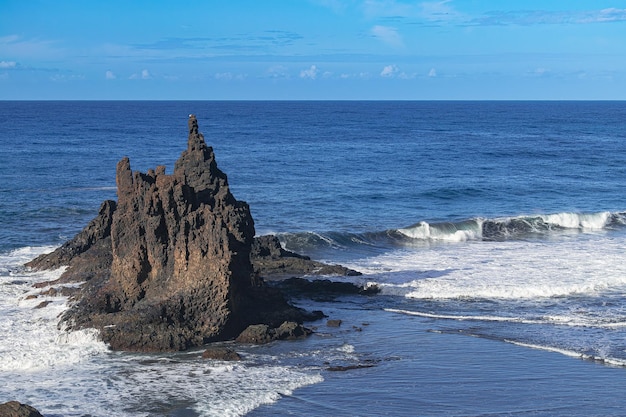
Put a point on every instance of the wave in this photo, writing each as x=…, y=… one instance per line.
x=465, y=317
x=518, y=227
x=485, y=229
x=588, y=354
x=572, y=353
x=556, y=320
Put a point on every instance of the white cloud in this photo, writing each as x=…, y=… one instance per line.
x=7, y=64
x=541, y=72
x=432, y=72
x=109, y=75
x=388, y=35
x=612, y=14
x=545, y=17
x=144, y=75
x=277, y=71
x=309, y=73
x=389, y=71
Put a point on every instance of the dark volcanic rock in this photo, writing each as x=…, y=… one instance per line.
x=16, y=409
x=259, y=334
x=168, y=266
x=343, y=368
x=270, y=259
x=322, y=288
x=98, y=229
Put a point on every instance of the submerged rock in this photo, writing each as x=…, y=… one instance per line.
x=167, y=266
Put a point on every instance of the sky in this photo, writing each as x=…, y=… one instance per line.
x=312, y=50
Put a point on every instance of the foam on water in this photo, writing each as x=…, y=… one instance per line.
x=33, y=342
x=450, y=232
x=592, y=221
x=465, y=317
x=502, y=270
x=572, y=353
x=74, y=374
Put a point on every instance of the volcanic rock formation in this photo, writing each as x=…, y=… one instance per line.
x=168, y=266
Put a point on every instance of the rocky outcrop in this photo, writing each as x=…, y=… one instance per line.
x=16, y=409
x=260, y=334
x=168, y=266
x=322, y=289
x=97, y=230
x=271, y=260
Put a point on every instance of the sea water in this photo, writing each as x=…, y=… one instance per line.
x=495, y=230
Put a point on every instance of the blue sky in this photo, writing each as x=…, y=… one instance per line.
x=313, y=49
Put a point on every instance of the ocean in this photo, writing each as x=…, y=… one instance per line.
x=495, y=230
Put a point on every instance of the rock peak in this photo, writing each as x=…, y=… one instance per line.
x=168, y=266
x=180, y=255
x=193, y=124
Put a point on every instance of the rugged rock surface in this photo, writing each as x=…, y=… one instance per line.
x=16, y=409
x=322, y=289
x=260, y=334
x=271, y=260
x=168, y=266
x=97, y=230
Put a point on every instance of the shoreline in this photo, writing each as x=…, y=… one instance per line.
x=425, y=372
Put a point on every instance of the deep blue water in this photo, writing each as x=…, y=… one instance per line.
x=319, y=166
x=499, y=220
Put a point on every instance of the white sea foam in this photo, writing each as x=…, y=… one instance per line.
x=444, y=232
x=572, y=353
x=502, y=270
x=466, y=317
x=74, y=374
x=591, y=221
x=346, y=348
x=507, y=226
x=33, y=342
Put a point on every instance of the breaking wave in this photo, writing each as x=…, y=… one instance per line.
x=486, y=229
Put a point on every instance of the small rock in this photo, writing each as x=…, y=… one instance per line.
x=256, y=334
x=344, y=368
x=43, y=304
x=259, y=334
x=16, y=409
x=333, y=323
x=290, y=330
